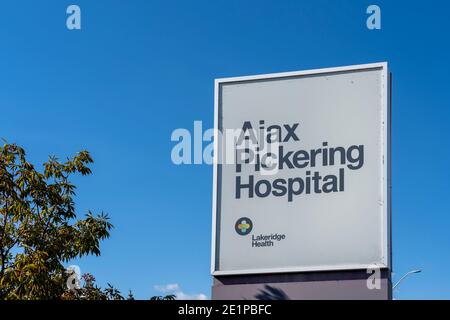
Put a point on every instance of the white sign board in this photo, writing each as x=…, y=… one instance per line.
x=305, y=185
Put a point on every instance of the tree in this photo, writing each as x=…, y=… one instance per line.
x=130, y=295
x=168, y=297
x=39, y=227
x=90, y=291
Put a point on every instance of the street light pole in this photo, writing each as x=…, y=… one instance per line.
x=407, y=274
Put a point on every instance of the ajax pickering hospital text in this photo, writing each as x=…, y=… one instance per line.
x=265, y=152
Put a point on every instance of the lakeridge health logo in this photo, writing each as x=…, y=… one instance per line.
x=243, y=226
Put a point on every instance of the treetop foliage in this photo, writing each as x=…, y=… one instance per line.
x=39, y=226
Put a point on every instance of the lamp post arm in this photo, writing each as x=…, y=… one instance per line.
x=402, y=278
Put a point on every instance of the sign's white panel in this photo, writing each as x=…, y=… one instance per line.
x=304, y=186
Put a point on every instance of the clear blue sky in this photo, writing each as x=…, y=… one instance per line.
x=140, y=69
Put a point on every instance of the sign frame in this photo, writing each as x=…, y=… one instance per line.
x=385, y=138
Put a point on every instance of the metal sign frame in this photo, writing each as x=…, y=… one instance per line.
x=386, y=168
